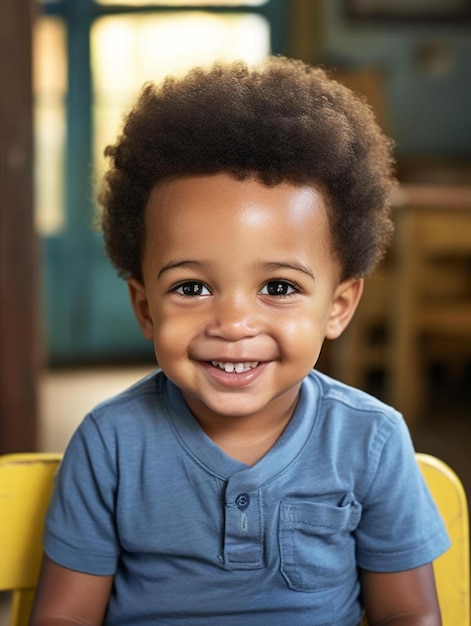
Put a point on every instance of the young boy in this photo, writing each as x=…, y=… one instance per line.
x=236, y=485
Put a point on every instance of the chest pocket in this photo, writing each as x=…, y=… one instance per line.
x=317, y=546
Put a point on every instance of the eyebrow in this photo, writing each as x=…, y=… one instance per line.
x=268, y=266
x=290, y=265
x=174, y=264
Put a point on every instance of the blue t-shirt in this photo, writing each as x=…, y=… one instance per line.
x=196, y=538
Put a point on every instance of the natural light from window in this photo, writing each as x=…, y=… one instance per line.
x=128, y=51
x=49, y=87
x=175, y=3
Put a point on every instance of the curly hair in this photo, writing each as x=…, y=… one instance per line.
x=281, y=121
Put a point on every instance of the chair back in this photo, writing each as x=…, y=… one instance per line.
x=26, y=482
x=452, y=569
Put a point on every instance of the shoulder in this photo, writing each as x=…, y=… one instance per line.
x=145, y=398
x=133, y=415
x=345, y=402
x=358, y=432
x=149, y=388
x=122, y=433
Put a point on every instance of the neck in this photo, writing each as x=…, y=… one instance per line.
x=244, y=438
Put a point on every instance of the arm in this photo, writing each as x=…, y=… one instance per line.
x=68, y=598
x=406, y=598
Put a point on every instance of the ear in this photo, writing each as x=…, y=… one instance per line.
x=344, y=304
x=140, y=305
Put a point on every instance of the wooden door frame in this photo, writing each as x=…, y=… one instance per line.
x=19, y=336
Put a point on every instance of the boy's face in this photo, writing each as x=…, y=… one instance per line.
x=240, y=287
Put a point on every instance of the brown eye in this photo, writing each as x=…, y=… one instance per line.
x=192, y=288
x=278, y=288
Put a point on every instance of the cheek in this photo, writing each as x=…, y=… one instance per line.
x=172, y=334
x=301, y=334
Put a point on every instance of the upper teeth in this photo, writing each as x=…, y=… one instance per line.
x=235, y=367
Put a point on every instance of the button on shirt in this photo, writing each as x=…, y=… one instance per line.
x=196, y=538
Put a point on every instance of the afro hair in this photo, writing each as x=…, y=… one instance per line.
x=278, y=121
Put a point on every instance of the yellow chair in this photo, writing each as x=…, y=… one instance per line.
x=452, y=568
x=25, y=488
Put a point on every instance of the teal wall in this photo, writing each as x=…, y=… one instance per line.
x=428, y=96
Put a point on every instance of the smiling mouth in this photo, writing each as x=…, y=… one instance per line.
x=237, y=368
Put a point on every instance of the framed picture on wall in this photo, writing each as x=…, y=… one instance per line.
x=404, y=10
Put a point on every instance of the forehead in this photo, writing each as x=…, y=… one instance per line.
x=218, y=204
x=237, y=225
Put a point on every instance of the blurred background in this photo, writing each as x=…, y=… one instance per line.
x=68, y=71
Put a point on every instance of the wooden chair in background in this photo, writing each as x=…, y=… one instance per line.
x=417, y=308
x=430, y=315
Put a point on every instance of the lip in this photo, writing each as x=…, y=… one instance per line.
x=232, y=379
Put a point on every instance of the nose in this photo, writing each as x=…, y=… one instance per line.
x=233, y=319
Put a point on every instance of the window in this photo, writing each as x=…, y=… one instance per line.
x=128, y=50
x=49, y=88
x=103, y=51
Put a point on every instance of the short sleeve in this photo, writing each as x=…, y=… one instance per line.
x=80, y=531
x=400, y=527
